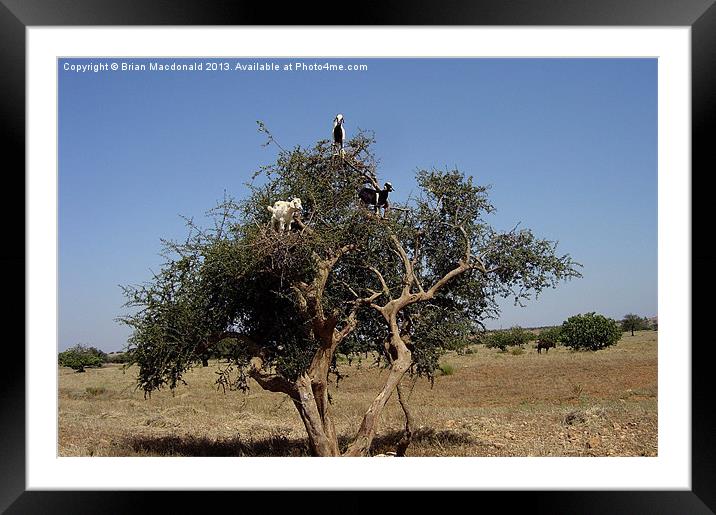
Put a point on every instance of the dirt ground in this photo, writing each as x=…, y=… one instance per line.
x=562, y=403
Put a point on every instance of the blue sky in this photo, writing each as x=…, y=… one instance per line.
x=569, y=147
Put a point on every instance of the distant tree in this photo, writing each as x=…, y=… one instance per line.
x=80, y=357
x=632, y=322
x=341, y=280
x=118, y=357
x=514, y=336
x=590, y=331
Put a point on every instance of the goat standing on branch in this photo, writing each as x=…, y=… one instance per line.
x=282, y=213
x=376, y=198
x=339, y=135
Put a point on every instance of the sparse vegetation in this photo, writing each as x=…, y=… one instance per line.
x=511, y=406
x=447, y=369
x=95, y=390
x=577, y=391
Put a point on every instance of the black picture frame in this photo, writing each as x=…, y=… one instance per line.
x=17, y=15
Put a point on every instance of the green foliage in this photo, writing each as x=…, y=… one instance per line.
x=120, y=357
x=551, y=335
x=590, y=331
x=80, y=357
x=238, y=276
x=517, y=351
x=515, y=336
x=446, y=369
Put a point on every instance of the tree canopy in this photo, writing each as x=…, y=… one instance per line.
x=80, y=357
x=632, y=322
x=589, y=331
x=407, y=286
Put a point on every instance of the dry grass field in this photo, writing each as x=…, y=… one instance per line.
x=562, y=403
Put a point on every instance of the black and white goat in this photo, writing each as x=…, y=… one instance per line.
x=282, y=213
x=339, y=135
x=376, y=198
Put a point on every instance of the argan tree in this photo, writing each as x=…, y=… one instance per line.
x=589, y=331
x=632, y=322
x=80, y=357
x=406, y=287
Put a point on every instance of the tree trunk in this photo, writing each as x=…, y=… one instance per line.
x=321, y=432
x=404, y=442
x=400, y=365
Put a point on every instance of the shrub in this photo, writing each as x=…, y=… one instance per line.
x=509, y=337
x=80, y=357
x=118, y=357
x=590, y=331
x=95, y=390
x=446, y=369
x=550, y=335
x=516, y=351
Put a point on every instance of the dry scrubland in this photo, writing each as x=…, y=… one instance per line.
x=562, y=403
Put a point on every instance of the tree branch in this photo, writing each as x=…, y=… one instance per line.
x=416, y=259
x=267, y=381
x=404, y=442
x=409, y=277
x=386, y=290
x=271, y=382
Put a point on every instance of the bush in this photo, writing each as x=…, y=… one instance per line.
x=590, y=331
x=551, y=335
x=118, y=357
x=509, y=337
x=447, y=369
x=79, y=357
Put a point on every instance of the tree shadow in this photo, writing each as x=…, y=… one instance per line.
x=238, y=446
x=425, y=437
x=278, y=445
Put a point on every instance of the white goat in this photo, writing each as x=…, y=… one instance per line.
x=282, y=213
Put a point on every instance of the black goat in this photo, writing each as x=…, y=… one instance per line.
x=376, y=198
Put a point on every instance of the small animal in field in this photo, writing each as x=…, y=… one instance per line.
x=544, y=345
x=376, y=198
x=282, y=213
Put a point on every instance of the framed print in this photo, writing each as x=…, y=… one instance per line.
x=76, y=74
